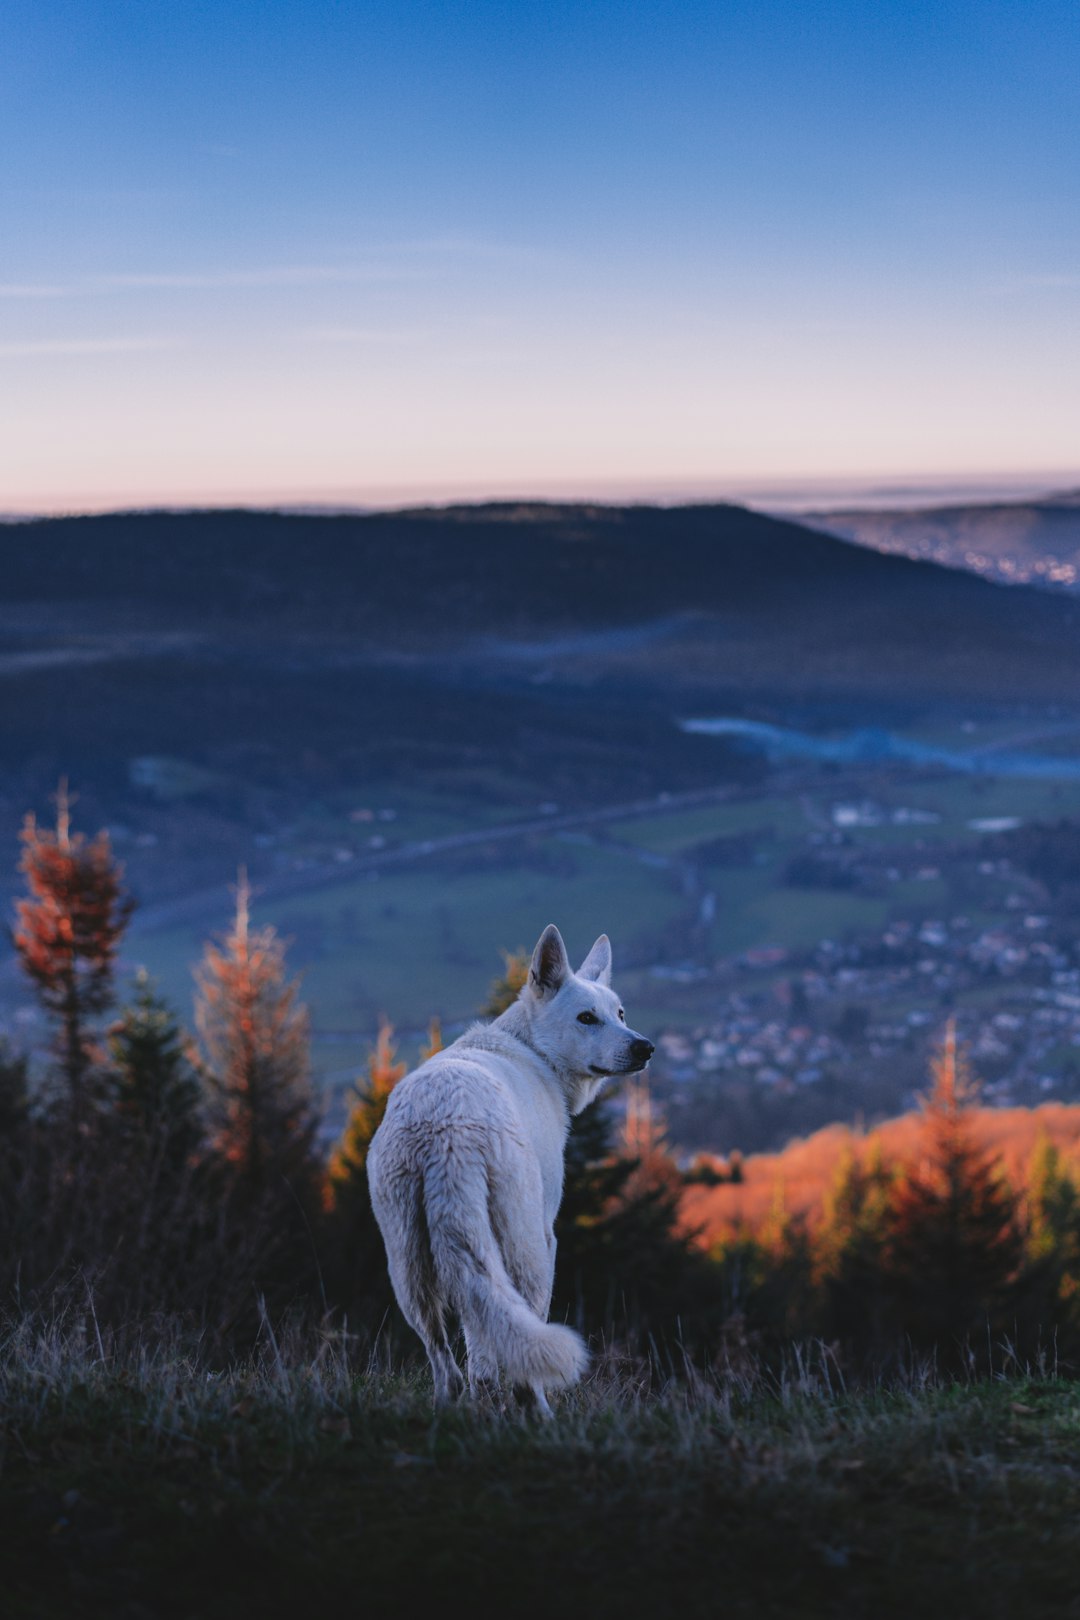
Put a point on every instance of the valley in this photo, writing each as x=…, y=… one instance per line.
x=781, y=771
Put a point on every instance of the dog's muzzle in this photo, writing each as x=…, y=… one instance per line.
x=639, y=1054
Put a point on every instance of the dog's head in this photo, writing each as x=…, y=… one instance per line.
x=577, y=1020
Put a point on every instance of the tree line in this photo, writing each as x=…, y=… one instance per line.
x=152, y=1174
x=149, y=1172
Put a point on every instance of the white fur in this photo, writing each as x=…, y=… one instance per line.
x=466, y=1173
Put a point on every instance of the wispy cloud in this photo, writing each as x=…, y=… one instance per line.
x=101, y=196
x=1039, y=281
x=390, y=262
x=1052, y=278
x=300, y=275
x=25, y=289
x=357, y=335
x=89, y=346
x=457, y=245
x=277, y=275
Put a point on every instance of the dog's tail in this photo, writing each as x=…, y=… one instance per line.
x=504, y=1331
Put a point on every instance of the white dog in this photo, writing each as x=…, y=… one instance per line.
x=466, y=1172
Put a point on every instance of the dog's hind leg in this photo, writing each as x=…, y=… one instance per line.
x=483, y=1371
x=532, y=1398
x=426, y=1315
x=445, y=1371
x=416, y=1288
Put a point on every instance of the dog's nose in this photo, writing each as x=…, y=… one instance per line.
x=642, y=1050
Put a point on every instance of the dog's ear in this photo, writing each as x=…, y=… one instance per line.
x=597, y=965
x=550, y=966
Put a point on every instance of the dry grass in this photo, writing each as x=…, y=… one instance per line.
x=139, y=1480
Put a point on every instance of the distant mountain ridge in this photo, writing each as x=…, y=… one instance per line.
x=578, y=635
x=759, y=599
x=531, y=563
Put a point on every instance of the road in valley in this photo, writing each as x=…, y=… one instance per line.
x=279, y=885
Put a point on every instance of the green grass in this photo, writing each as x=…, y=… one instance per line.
x=427, y=941
x=671, y=835
x=146, y=1483
x=796, y=918
x=926, y=897
x=783, y=825
x=960, y=799
x=417, y=815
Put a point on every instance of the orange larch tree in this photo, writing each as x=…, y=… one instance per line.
x=347, y=1172
x=504, y=990
x=254, y=1034
x=953, y=1247
x=358, y=1260
x=67, y=934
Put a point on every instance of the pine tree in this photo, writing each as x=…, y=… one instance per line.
x=643, y=1140
x=359, y=1259
x=16, y=1161
x=347, y=1173
x=505, y=989
x=254, y=1034
x=14, y=1095
x=591, y=1228
x=850, y=1249
x=1047, y=1305
x=1052, y=1205
x=622, y=1266
x=158, y=1097
x=67, y=934
x=953, y=1241
x=780, y=1294
x=434, y=1041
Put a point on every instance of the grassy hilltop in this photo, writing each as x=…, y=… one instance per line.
x=149, y=1485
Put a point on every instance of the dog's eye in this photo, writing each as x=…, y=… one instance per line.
x=622, y=1016
x=587, y=1018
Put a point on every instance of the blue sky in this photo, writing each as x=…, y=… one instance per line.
x=361, y=252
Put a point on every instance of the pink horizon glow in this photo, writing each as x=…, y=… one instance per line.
x=791, y=493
